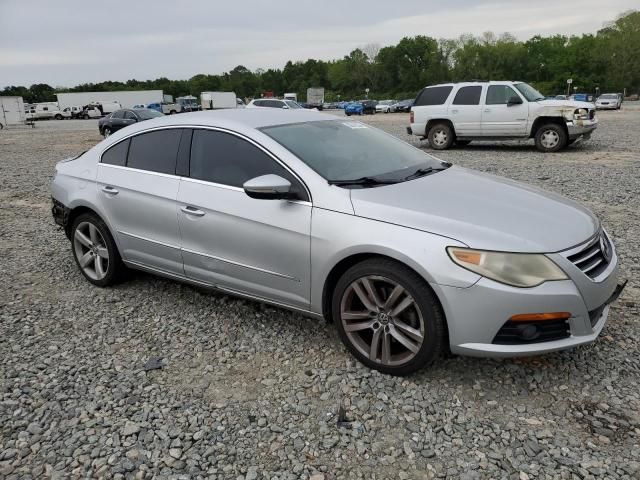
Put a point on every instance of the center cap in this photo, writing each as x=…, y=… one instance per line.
x=384, y=318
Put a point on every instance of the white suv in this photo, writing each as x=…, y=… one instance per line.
x=462, y=112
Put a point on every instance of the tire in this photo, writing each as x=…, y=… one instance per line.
x=347, y=114
x=85, y=117
x=417, y=343
x=463, y=143
x=172, y=112
x=58, y=116
x=440, y=136
x=550, y=137
x=106, y=132
x=93, y=246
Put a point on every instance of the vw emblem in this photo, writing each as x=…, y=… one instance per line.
x=384, y=318
x=605, y=248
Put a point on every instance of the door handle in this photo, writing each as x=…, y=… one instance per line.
x=487, y=110
x=192, y=211
x=454, y=111
x=110, y=190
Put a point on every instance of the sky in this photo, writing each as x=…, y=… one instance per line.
x=68, y=42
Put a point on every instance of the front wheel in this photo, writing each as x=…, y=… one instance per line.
x=58, y=116
x=95, y=251
x=106, y=132
x=86, y=117
x=440, y=136
x=388, y=317
x=550, y=138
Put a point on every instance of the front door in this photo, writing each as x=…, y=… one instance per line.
x=138, y=188
x=499, y=119
x=251, y=246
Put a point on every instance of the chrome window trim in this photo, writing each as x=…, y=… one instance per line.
x=218, y=129
x=139, y=170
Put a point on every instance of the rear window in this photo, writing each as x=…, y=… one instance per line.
x=433, y=96
x=117, y=155
x=468, y=96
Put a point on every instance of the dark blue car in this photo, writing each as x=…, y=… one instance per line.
x=354, y=108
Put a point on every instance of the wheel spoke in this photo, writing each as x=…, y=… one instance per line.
x=93, y=233
x=371, y=291
x=355, y=315
x=82, y=238
x=85, y=259
x=355, y=327
x=402, y=306
x=98, y=267
x=412, y=332
x=103, y=253
x=395, y=294
x=375, y=343
x=399, y=336
x=362, y=295
x=386, y=348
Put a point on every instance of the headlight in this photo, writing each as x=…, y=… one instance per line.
x=515, y=269
x=581, y=114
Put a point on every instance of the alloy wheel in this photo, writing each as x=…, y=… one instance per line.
x=382, y=320
x=440, y=137
x=91, y=250
x=549, y=139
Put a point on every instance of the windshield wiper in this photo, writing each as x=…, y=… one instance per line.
x=421, y=172
x=362, y=181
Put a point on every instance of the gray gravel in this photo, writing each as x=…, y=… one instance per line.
x=247, y=391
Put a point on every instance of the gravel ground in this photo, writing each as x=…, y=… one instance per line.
x=248, y=391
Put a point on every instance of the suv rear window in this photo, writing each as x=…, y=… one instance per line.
x=468, y=96
x=433, y=96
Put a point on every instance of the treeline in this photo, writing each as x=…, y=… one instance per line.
x=608, y=60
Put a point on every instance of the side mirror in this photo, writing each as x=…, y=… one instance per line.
x=514, y=100
x=268, y=187
x=286, y=107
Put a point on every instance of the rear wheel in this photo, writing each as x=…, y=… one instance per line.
x=58, y=116
x=85, y=116
x=550, y=138
x=95, y=251
x=440, y=136
x=388, y=317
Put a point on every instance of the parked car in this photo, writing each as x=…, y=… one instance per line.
x=164, y=107
x=139, y=105
x=386, y=106
x=461, y=112
x=354, y=108
x=404, y=105
x=273, y=103
x=407, y=255
x=582, y=97
x=123, y=118
x=369, y=106
x=90, y=111
x=609, y=101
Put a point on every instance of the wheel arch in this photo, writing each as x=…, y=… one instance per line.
x=435, y=121
x=539, y=121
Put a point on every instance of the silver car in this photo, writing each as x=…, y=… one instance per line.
x=407, y=255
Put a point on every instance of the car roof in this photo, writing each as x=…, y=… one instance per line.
x=237, y=119
x=476, y=82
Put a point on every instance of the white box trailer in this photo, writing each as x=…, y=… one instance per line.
x=127, y=98
x=11, y=111
x=216, y=100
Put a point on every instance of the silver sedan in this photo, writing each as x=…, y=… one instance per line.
x=407, y=255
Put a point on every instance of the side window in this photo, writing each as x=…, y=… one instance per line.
x=223, y=158
x=117, y=155
x=433, y=96
x=46, y=109
x=468, y=96
x=128, y=115
x=118, y=114
x=499, y=94
x=155, y=151
x=259, y=103
x=273, y=103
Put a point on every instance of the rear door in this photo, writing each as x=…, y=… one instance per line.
x=465, y=111
x=499, y=119
x=138, y=186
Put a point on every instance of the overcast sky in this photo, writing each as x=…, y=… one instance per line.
x=67, y=42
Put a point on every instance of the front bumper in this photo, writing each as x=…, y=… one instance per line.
x=475, y=315
x=581, y=128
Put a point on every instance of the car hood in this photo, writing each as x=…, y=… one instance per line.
x=565, y=103
x=481, y=210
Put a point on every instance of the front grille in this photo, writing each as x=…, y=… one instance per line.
x=522, y=333
x=592, y=260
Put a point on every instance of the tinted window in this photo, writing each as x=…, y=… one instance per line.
x=226, y=159
x=433, y=96
x=130, y=115
x=117, y=155
x=155, y=151
x=273, y=103
x=118, y=114
x=499, y=94
x=259, y=103
x=468, y=96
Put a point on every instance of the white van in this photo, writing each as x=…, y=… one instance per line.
x=217, y=100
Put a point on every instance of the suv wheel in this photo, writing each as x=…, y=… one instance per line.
x=58, y=116
x=550, y=138
x=387, y=317
x=440, y=136
x=95, y=251
x=106, y=132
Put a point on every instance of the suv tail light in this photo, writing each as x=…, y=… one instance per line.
x=411, y=117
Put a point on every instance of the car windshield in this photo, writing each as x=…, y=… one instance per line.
x=608, y=95
x=292, y=104
x=344, y=150
x=530, y=93
x=146, y=113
